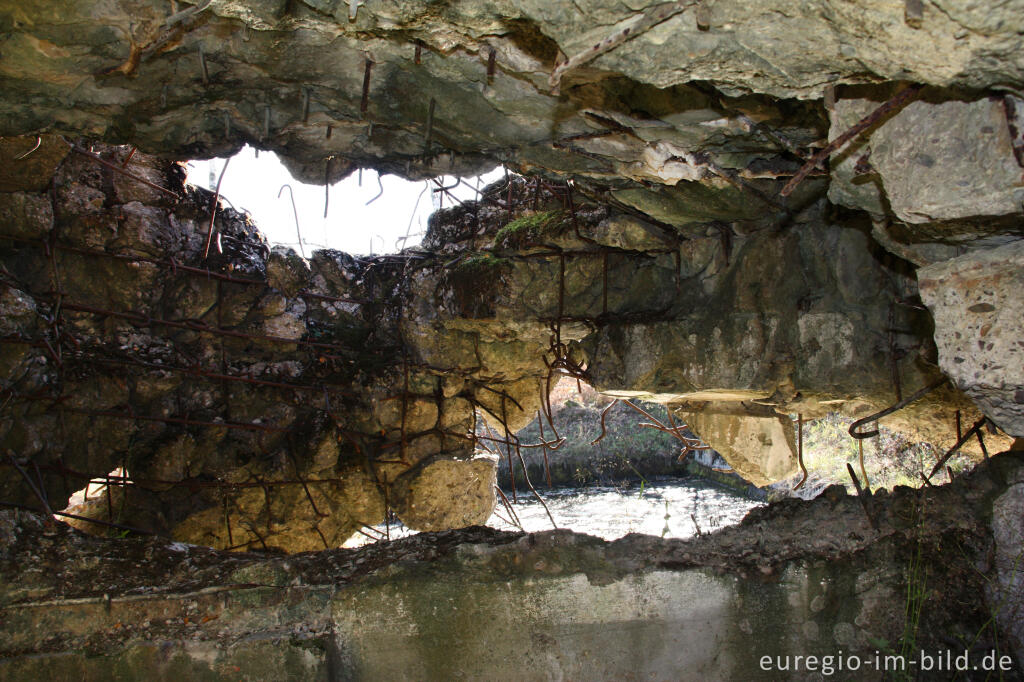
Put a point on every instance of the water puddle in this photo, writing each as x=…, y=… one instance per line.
x=669, y=508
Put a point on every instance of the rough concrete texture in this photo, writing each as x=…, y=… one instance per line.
x=448, y=493
x=650, y=248
x=807, y=578
x=282, y=402
x=939, y=177
x=979, y=320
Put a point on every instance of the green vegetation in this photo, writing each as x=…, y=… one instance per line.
x=889, y=458
x=475, y=281
x=529, y=229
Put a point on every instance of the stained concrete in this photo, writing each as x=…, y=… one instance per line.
x=795, y=578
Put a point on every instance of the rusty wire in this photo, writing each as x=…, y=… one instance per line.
x=174, y=266
x=117, y=169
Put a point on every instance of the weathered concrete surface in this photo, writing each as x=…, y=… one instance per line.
x=979, y=328
x=447, y=493
x=1008, y=532
x=137, y=71
x=681, y=137
x=807, y=578
x=289, y=402
x=932, y=162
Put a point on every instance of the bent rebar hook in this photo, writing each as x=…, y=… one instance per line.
x=855, y=426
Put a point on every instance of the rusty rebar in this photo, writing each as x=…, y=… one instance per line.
x=132, y=416
x=895, y=103
x=195, y=371
x=644, y=22
x=491, y=55
x=511, y=511
x=508, y=450
x=862, y=496
x=863, y=471
x=119, y=526
x=688, y=443
x=364, y=102
x=39, y=142
x=430, y=126
x=189, y=325
x=39, y=492
x=526, y=475
x=604, y=413
x=956, y=446
x=855, y=426
x=547, y=467
x=295, y=213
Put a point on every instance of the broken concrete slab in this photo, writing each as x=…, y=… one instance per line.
x=757, y=442
x=979, y=328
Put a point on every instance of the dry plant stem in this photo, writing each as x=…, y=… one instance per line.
x=800, y=450
x=511, y=511
x=896, y=103
x=213, y=210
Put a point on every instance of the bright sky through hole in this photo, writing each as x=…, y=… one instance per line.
x=352, y=225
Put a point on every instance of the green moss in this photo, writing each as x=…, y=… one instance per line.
x=475, y=281
x=529, y=229
x=479, y=265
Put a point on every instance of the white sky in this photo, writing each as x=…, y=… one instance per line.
x=253, y=184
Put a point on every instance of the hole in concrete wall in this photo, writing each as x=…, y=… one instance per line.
x=102, y=499
x=367, y=212
x=633, y=479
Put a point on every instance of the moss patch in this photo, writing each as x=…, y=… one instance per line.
x=474, y=283
x=529, y=229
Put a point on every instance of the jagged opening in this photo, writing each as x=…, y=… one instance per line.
x=710, y=203
x=367, y=212
x=608, y=467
